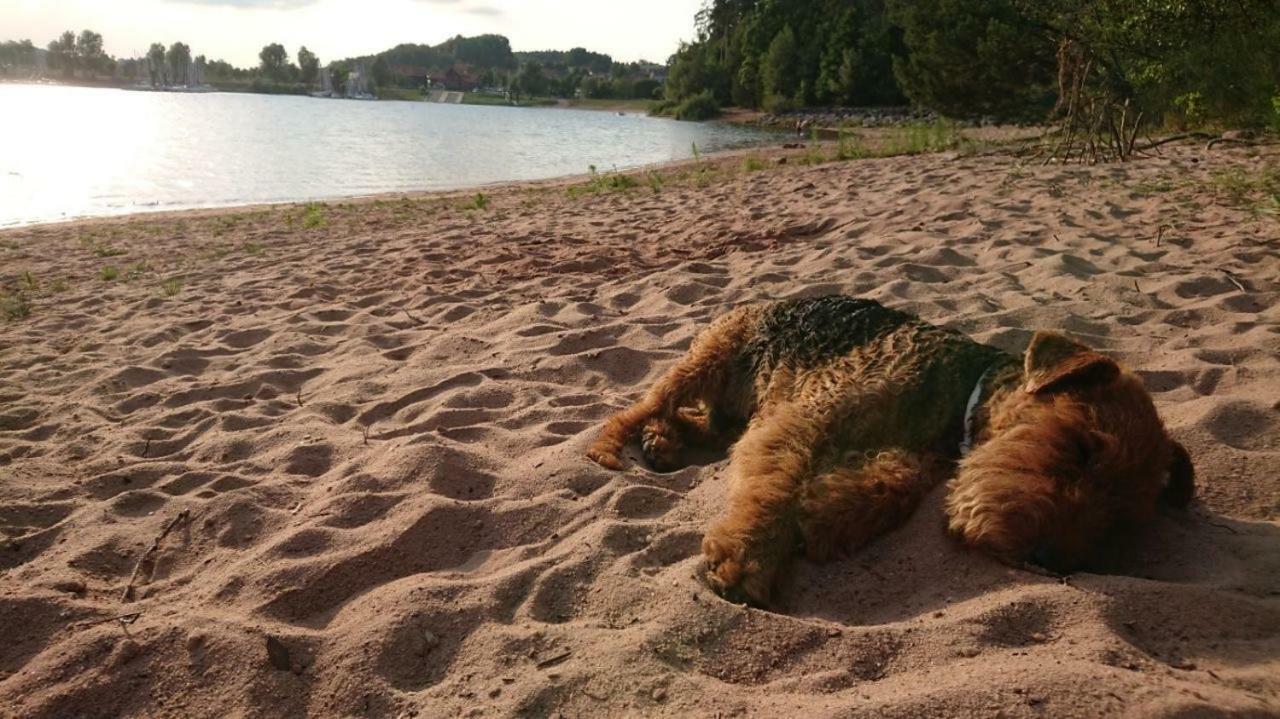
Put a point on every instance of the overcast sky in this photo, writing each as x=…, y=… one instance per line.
x=235, y=30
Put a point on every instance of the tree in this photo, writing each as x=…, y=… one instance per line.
x=381, y=72
x=273, y=58
x=695, y=69
x=531, y=79
x=62, y=54
x=778, y=71
x=308, y=65
x=179, y=59
x=971, y=58
x=155, y=64
x=89, y=51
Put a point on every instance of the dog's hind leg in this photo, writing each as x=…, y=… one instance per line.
x=843, y=509
x=700, y=377
x=752, y=543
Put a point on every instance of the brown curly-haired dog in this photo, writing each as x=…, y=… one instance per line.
x=849, y=413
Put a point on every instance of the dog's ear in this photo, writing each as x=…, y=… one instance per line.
x=1181, y=486
x=1052, y=360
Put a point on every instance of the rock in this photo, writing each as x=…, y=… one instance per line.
x=70, y=586
x=659, y=694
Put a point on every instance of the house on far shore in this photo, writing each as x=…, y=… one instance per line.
x=460, y=78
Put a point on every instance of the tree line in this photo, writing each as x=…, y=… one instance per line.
x=1160, y=61
x=483, y=61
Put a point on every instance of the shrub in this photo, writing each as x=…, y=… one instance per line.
x=663, y=108
x=778, y=103
x=702, y=106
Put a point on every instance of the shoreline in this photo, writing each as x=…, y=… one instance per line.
x=784, y=145
x=718, y=157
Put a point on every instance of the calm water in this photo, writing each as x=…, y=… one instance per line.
x=74, y=152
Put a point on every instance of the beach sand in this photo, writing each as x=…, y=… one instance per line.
x=373, y=415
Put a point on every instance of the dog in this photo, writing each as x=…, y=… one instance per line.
x=842, y=414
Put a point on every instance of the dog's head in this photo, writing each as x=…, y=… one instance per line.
x=1074, y=453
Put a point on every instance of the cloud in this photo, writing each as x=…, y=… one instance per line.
x=468, y=7
x=251, y=4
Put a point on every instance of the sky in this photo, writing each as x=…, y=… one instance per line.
x=235, y=30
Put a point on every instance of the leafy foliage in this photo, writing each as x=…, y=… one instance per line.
x=1130, y=61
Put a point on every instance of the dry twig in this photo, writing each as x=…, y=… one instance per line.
x=155, y=547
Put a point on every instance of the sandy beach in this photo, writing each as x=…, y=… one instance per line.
x=353, y=435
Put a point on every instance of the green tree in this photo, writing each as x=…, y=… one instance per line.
x=1160, y=57
x=273, y=58
x=531, y=80
x=381, y=72
x=695, y=69
x=308, y=65
x=778, y=71
x=62, y=54
x=89, y=51
x=155, y=64
x=179, y=59
x=971, y=58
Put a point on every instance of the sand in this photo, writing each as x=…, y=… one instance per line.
x=375, y=415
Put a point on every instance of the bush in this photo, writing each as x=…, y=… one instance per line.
x=702, y=106
x=778, y=103
x=663, y=108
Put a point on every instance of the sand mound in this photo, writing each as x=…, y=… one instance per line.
x=376, y=421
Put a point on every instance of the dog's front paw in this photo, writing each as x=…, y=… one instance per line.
x=735, y=572
x=604, y=457
x=661, y=444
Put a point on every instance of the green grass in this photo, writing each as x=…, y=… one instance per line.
x=253, y=248
x=108, y=273
x=171, y=287
x=1258, y=191
x=471, y=98
x=313, y=216
x=655, y=181
x=58, y=286
x=479, y=202
x=100, y=249
x=1154, y=187
x=28, y=282
x=753, y=163
x=399, y=93
x=606, y=182
x=14, y=307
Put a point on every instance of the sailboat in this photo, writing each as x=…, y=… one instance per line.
x=358, y=84
x=326, y=84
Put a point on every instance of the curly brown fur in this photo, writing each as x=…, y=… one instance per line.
x=849, y=408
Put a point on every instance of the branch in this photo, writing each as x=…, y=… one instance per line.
x=155, y=547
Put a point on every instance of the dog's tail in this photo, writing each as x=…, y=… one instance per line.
x=1181, y=486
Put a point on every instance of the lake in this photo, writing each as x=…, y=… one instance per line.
x=68, y=152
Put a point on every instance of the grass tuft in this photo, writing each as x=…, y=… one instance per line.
x=607, y=182
x=171, y=287
x=313, y=216
x=15, y=307
x=108, y=273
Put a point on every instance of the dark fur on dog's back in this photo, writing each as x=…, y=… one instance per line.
x=847, y=408
x=808, y=332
